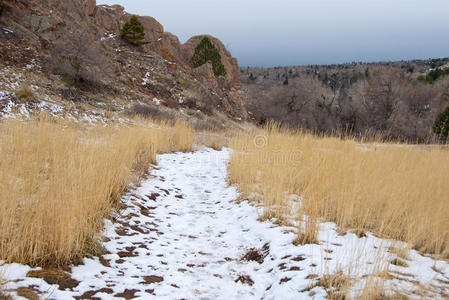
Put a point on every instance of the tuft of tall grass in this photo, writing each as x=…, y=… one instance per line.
x=393, y=190
x=60, y=179
x=25, y=93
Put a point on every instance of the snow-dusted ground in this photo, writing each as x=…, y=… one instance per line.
x=181, y=235
x=13, y=108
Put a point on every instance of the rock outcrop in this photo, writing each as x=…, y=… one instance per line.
x=108, y=18
x=232, y=78
x=90, y=6
x=42, y=24
x=153, y=29
x=112, y=18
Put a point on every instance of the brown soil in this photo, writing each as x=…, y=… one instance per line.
x=257, y=255
x=28, y=293
x=245, y=279
x=90, y=294
x=127, y=294
x=153, y=196
x=152, y=279
x=55, y=276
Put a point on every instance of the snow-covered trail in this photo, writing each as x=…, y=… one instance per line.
x=181, y=235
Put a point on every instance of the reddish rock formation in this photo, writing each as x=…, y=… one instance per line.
x=90, y=6
x=153, y=29
x=44, y=23
x=231, y=65
x=108, y=17
x=112, y=18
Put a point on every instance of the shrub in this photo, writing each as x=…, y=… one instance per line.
x=151, y=112
x=133, y=32
x=441, y=126
x=79, y=60
x=25, y=93
x=207, y=52
x=434, y=75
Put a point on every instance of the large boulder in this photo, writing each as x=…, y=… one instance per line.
x=232, y=78
x=206, y=74
x=169, y=47
x=153, y=29
x=89, y=7
x=108, y=17
x=42, y=24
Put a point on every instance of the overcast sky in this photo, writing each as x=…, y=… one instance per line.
x=298, y=32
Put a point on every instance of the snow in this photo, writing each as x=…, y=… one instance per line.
x=146, y=78
x=184, y=227
x=156, y=101
x=10, y=109
x=33, y=64
x=108, y=36
x=9, y=79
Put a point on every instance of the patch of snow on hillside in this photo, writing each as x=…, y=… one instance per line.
x=146, y=78
x=108, y=36
x=156, y=101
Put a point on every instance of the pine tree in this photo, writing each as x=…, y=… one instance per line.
x=441, y=126
x=133, y=32
x=207, y=52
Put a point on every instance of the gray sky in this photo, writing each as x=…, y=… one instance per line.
x=297, y=32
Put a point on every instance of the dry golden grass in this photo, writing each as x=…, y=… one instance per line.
x=376, y=291
x=337, y=285
x=395, y=191
x=213, y=140
x=182, y=137
x=59, y=180
x=25, y=93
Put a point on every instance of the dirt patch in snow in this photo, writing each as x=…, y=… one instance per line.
x=55, y=276
x=127, y=294
x=245, y=279
x=90, y=294
x=257, y=255
x=152, y=279
x=153, y=196
x=27, y=292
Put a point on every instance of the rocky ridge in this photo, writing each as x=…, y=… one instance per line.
x=157, y=74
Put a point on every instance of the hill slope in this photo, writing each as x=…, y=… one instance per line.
x=69, y=54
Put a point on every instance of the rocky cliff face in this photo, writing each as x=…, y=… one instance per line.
x=159, y=69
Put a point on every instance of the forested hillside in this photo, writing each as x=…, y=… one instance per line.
x=400, y=100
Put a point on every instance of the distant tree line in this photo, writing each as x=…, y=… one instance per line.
x=358, y=100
